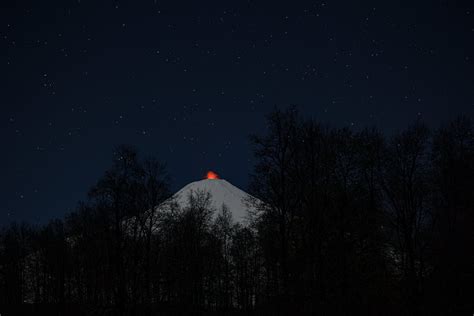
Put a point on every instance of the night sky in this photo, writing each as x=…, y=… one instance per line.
x=189, y=81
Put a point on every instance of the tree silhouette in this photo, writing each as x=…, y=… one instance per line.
x=344, y=222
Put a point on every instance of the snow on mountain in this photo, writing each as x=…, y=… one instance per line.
x=222, y=193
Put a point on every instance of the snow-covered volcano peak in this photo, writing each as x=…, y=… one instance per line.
x=222, y=193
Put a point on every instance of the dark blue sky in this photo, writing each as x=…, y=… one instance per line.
x=188, y=82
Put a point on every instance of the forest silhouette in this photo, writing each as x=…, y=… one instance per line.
x=352, y=222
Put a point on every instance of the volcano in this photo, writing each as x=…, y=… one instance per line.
x=222, y=193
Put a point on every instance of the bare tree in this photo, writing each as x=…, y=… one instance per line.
x=273, y=181
x=406, y=187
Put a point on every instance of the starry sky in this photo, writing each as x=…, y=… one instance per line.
x=187, y=82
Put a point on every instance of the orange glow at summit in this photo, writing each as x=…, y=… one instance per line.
x=212, y=175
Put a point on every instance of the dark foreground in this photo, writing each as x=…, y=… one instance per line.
x=354, y=222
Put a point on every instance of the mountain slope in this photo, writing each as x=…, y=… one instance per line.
x=222, y=193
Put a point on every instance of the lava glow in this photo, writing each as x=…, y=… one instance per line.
x=212, y=175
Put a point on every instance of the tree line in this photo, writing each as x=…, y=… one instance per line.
x=345, y=222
